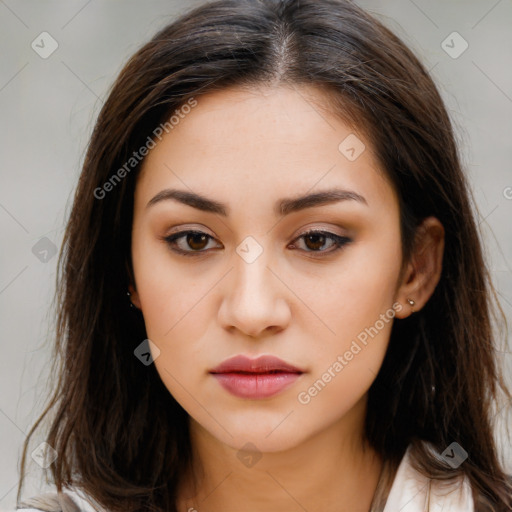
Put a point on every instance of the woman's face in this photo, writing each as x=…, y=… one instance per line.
x=251, y=283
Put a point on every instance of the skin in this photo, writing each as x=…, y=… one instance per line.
x=248, y=148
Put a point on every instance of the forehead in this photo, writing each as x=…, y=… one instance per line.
x=260, y=143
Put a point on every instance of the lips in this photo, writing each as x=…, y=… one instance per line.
x=262, y=364
x=258, y=378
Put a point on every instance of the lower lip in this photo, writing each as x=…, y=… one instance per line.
x=255, y=385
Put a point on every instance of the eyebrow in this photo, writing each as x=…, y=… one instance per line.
x=282, y=206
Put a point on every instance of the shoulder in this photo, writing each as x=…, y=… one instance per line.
x=411, y=491
x=71, y=500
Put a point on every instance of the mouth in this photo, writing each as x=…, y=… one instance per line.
x=258, y=378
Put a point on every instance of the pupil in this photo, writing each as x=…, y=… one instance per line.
x=316, y=245
x=195, y=237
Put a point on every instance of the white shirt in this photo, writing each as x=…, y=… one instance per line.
x=413, y=492
x=410, y=492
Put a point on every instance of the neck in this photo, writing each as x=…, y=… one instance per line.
x=332, y=471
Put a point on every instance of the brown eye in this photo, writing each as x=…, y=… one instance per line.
x=196, y=241
x=315, y=241
x=189, y=243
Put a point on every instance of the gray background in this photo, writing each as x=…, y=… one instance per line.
x=48, y=107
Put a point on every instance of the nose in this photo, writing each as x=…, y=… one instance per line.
x=255, y=299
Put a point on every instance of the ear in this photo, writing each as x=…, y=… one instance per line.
x=134, y=296
x=423, y=271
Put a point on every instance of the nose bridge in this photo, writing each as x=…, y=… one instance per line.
x=253, y=300
x=251, y=274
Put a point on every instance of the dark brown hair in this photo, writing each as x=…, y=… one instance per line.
x=119, y=433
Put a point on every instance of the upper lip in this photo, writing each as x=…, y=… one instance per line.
x=262, y=364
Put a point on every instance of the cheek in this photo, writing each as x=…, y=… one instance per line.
x=355, y=306
x=348, y=361
x=176, y=318
x=351, y=295
x=169, y=294
x=177, y=314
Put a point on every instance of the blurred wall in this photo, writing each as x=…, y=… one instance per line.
x=48, y=104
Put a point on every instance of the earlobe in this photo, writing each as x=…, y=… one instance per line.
x=424, y=269
x=133, y=296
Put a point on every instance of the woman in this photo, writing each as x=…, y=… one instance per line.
x=276, y=186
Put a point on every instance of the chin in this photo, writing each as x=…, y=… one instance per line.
x=267, y=439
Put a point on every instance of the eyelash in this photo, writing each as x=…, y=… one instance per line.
x=339, y=241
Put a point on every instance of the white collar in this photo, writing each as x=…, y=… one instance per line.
x=413, y=492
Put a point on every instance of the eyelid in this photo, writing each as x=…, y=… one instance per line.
x=171, y=239
x=339, y=242
x=188, y=227
x=318, y=229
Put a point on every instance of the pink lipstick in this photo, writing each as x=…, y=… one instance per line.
x=258, y=378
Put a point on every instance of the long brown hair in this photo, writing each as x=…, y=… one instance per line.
x=119, y=434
